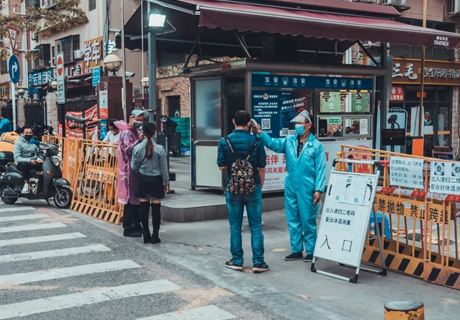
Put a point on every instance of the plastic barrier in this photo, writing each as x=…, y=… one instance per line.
x=423, y=224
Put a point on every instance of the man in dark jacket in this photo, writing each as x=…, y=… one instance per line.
x=242, y=142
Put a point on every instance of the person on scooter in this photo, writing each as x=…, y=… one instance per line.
x=127, y=178
x=25, y=155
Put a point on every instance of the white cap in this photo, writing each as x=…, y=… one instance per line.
x=304, y=116
x=139, y=112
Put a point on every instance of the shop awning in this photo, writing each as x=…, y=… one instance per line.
x=298, y=22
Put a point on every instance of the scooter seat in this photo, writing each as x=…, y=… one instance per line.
x=12, y=167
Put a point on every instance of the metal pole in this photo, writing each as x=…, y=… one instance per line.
x=125, y=112
x=142, y=52
x=422, y=78
x=13, y=98
x=383, y=88
x=152, y=62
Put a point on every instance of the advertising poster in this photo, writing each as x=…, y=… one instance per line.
x=332, y=102
x=345, y=216
x=274, y=110
x=73, y=129
x=360, y=102
x=275, y=171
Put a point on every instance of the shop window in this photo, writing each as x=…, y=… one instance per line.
x=331, y=127
x=68, y=45
x=444, y=95
x=357, y=126
x=413, y=94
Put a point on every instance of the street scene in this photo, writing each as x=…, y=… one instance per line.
x=213, y=160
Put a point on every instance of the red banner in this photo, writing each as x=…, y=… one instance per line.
x=73, y=129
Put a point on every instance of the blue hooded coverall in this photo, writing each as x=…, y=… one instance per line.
x=306, y=174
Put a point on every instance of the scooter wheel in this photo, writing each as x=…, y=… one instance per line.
x=7, y=200
x=63, y=198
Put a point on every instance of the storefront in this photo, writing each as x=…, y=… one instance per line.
x=441, y=81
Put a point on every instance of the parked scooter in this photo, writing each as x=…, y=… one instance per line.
x=43, y=185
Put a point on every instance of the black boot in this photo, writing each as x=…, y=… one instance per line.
x=137, y=219
x=144, y=217
x=128, y=229
x=156, y=221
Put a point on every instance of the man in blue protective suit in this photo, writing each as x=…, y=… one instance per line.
x=305, y=181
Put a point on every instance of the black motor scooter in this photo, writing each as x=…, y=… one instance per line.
x=43, y=185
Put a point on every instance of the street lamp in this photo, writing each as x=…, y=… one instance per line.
x=156, y=24
x=113, y=63
x=21, y=92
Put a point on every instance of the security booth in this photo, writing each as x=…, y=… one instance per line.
x=340, y=100
x=292, y=54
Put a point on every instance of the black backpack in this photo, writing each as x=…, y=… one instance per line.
x=241, y=173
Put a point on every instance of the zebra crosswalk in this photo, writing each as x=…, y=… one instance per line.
x=48, y=253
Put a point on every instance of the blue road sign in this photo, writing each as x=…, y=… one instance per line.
x=14, y=68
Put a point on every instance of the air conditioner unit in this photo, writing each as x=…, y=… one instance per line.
x=77, y=54
x=401, y=3
x=454, y=6
x=53, y=62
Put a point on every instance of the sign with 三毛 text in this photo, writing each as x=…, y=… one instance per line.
x=345, y=217
x=445, y=177
x=406, y=172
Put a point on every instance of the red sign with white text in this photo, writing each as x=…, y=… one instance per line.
x=397, y=93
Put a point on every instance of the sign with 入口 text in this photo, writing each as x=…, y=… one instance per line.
x=406, y=172
x=445, y=177
x=345, y=217
x=411, y=208
x=408, y=71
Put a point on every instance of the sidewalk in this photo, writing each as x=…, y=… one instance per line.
x=290, y=289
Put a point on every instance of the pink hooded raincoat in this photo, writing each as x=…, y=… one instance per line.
x=127, y=178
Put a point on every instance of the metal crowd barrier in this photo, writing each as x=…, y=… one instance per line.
x=418, y=227
x=91, y=168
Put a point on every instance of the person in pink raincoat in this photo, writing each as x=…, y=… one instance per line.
x=127, y=179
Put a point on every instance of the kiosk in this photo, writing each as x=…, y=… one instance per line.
x=340, y=99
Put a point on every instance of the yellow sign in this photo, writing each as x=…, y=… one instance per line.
x=411, y=208
x=93, y=54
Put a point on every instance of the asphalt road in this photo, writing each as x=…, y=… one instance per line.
x=60, y=265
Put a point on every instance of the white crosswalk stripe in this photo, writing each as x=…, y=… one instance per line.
x=16, y=209
x=31, y=240
x=27, y=308
x=21, y=278
x=52, y=253
x=203, y=313
x=31, y=227
x=24, y=217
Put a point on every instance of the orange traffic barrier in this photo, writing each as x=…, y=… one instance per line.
x=418, y=227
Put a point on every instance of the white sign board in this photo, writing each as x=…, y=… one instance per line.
x=445, y=177
x=345, y=217
x=275, y=171
x=60, y=78
x=406, y=172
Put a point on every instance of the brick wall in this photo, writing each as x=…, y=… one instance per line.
x=175, y=86
x=435, y=9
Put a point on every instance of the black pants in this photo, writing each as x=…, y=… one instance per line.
x=131, y=217
x=156, y=219
x=26, y=167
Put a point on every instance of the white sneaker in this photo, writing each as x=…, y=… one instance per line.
x=25, y=189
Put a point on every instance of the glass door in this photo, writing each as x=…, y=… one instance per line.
x=206, y=132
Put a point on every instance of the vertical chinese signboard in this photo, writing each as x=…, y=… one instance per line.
x=93, y=54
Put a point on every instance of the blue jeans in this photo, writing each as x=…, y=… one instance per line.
x=235, y=207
